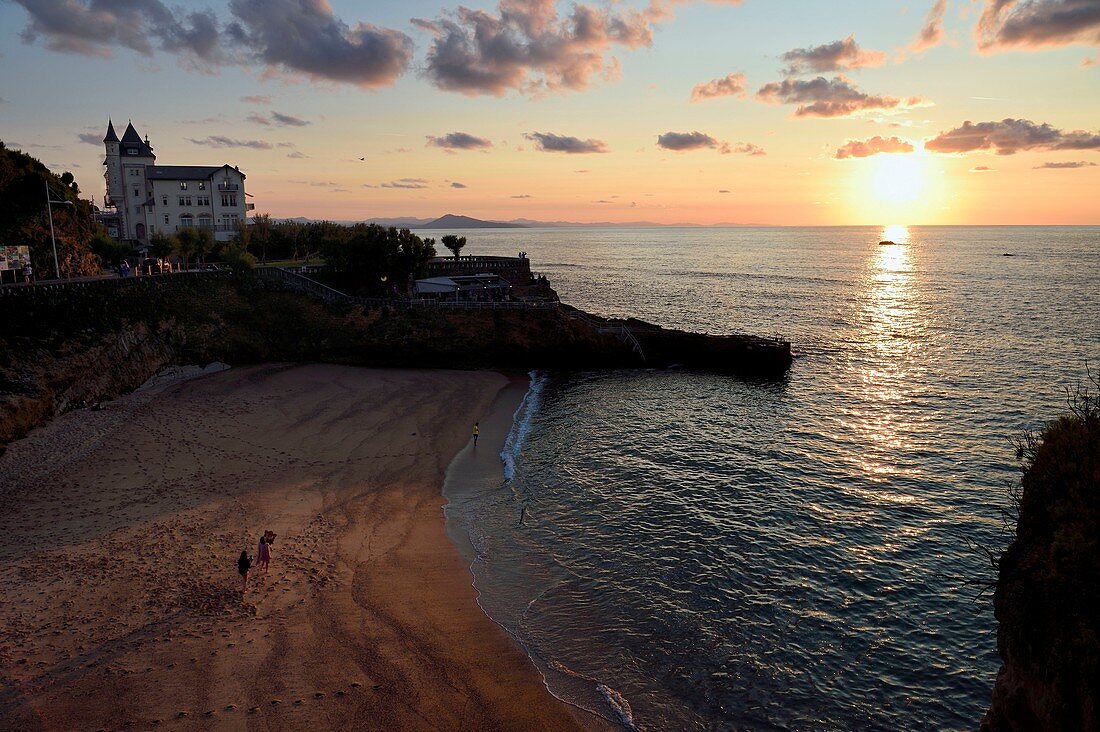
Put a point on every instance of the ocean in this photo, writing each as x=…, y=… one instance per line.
x=690, y=551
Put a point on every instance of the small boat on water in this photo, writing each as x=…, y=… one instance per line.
x=887, y=243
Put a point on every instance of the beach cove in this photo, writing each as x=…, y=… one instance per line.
x=120, y=603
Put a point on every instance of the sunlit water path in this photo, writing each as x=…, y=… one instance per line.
x=699, y=552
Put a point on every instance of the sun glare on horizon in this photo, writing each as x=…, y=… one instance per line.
x=897, y=178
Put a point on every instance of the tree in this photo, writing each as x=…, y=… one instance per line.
x=186, y=243
x=24, y=218
x=107, y=249
x=259, y=235
x=454, y=243
x=162, y=245
x=372, y=259
x=204, y=244
x=235, y=254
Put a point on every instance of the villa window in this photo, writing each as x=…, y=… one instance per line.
x=166, y=220
x=165, y=201
x=183, y=185
x=186, y=221
x=202, y=186
x=229, y=199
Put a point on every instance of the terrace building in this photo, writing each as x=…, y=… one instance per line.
x=144, y=198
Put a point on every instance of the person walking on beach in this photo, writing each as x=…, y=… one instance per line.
x=243, y=565
x=263, y=554
x=476, y=432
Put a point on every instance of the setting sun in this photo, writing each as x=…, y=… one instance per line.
x=898, y=178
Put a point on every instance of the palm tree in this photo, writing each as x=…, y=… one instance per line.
x=454, y=243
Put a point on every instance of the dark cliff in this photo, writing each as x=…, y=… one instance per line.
x=73, y=344
x=1047, y=600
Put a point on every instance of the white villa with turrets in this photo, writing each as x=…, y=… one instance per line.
x=144, y=198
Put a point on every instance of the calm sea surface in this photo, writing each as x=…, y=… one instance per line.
x=700, y=552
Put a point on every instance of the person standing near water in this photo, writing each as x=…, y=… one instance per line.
x=476, y=432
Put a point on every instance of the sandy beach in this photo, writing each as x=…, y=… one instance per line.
x=120, y=529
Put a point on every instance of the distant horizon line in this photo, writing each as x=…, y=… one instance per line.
x=536, y=224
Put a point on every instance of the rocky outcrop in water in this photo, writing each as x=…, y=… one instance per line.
x=1047, y=600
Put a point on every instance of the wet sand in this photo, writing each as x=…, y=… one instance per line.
x=120, y=603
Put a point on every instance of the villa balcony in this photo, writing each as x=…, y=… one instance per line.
x=250, y=207
x=228, y=187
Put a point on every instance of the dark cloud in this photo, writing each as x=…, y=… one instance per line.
x=1008, y=24
x=548, y=142
x=96, y=27
x=874, y=146
x=411, y=183
x=459, y=141
x=257, y=99
x=297, y=155
x=728, y=85
x=280, y=120
x=456, y=184
x=523, y=195
x=982, y=169
x=526, y=46
x=303, y=36
x=291, y=36
x=1010, y=136
x=683, y=141
x=90, y=137
x=931, y=34
x=286, y=120
x=836, y=97
x=222, y=141
x=723, y=191
x=1065, y=166
x=836, y=56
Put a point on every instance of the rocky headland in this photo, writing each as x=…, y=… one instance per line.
x=1047, y=600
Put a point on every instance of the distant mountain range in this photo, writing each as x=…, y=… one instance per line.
x=456, y=222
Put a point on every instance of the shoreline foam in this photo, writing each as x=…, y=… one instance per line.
x=482, y=477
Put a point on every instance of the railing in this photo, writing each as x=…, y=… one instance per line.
x=302, y=283
x=228, y=187
x=618, y=330
x=296, y=281
x=250, y=207
x=109, y=282
x=479, y=259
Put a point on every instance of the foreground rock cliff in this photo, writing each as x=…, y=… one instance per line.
x=72, y=345
x=1048, y=590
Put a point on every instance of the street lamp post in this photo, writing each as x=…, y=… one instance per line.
x=53, y=239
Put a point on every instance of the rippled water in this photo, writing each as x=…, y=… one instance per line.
x=701, y=552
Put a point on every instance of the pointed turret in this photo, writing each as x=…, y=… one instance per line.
x=132, y=144
x=111, y=136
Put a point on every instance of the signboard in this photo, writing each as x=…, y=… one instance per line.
x=14, y=257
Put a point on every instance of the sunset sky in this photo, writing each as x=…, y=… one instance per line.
x=761, y=111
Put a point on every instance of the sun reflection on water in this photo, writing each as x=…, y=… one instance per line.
x=891, y=324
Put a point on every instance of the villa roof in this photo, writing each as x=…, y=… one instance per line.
x=180, y=172
x=110, y=136
x=131, y=139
